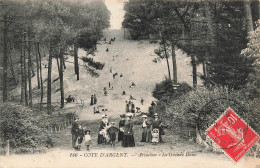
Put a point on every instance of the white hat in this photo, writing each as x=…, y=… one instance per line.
x=155, y=114
x=104, y=116
x=129, y=115
x=144, y=116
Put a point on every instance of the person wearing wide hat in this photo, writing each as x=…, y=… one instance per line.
x=157, y=123
x=128, y=138
x=102, y=129
x=121, y=127
x=146, y=133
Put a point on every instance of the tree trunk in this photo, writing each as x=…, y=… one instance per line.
x=25, y=71
x=76, y=62
x=194, y=69
x=5, y=61
x=189, y=34
x=204, y=69
x=174, y=64
x=166, y=55
x=10, y=62
x=64, y=65
x=40, y=62
x=61, y=78
x=37, y=64
x=51, y=52
x=58, y=64
x=29, y=69
x=210, y=24
x=22, y=71
x=212, y=33
x=193, y=61
x=249, y=20
x=204, y=64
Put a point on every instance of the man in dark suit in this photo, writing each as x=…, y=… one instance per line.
x=146, y=134
x=157, y=123
x=74, y=132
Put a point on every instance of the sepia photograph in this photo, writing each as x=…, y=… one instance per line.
x=129, y=83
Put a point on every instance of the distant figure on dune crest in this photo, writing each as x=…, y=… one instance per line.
x=127, y=107
x=131, y=97
x=105, y=91
x=142, y=101
x=152, y=104
x=132, y=85
x=92, y=100
x=70, y=99
x=114, y=75
x=133, y=108
x=97, y=111
x=138, y=110
x=95, y=99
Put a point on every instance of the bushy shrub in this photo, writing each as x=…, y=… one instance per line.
x=165, y=89
x=20, y=126
x=94, y=64
x=182, y=114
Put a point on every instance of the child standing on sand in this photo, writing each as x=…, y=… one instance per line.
x=87, y=139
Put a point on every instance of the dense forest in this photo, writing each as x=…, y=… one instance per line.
x=33, y=32
x=222, y=36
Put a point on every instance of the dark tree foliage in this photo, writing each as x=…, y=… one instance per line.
x=98, y=21
x=87, y=40
x=185, y=23
x=139, y=16
x=20, y=125
x=228, y=67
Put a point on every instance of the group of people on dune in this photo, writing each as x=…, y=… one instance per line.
x=152, y=131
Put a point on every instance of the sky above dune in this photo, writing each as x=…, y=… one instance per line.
x=116, y=7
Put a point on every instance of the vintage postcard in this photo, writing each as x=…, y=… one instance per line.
x=129, y=83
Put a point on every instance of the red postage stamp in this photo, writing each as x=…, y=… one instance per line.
x=232, y=134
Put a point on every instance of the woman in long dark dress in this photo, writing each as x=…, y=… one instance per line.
x=121, y=127
x=128, y=138
x=92, y=100
x=102, y=130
